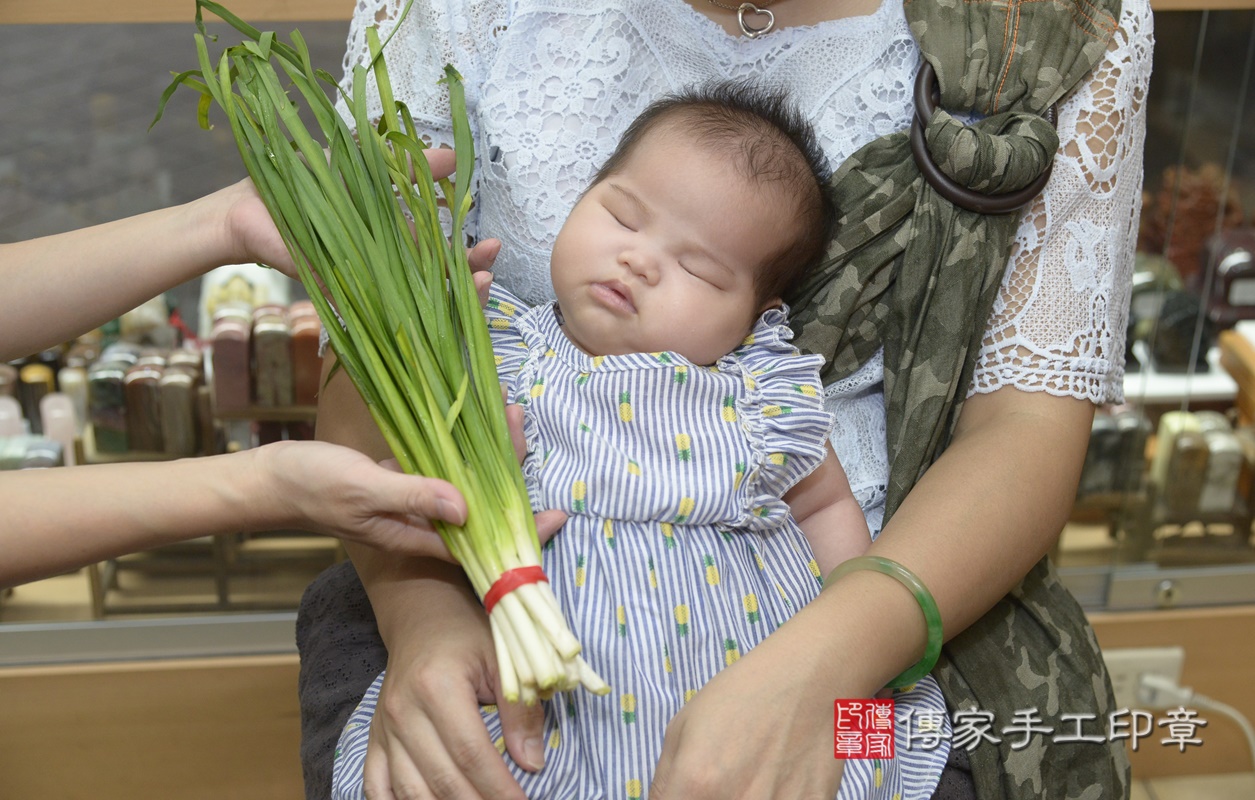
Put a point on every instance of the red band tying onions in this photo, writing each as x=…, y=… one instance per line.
x=511, y=580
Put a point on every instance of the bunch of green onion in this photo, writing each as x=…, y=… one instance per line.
x=414, y=339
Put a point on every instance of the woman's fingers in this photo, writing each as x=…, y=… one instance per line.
x=483, y=255
x=466, y=757
x=376, y=776
x=483, y=282
x=523, y=726
x=441, y=161
x=415, y=747
x=549, y=523
x=514, y=419
x=481, y=258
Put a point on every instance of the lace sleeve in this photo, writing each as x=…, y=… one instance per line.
x=1059, y=323
x=435, y=33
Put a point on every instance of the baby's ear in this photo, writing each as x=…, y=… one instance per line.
x=775, y=302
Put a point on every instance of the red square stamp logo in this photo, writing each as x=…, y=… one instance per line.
x=862, y=728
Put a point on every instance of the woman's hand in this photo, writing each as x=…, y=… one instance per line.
x=338, y=491
x=251, y=232
x=428, y=738
x=761, y=729
x=253, y=237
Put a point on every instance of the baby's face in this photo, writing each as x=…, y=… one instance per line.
x=662, y=255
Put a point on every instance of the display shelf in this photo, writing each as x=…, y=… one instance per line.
x=88, y=454
x=1237, y=354
x=270, y=414
x=1148, y=386
x=238, y=566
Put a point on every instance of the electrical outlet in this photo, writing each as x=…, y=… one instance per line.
x=1126, y=665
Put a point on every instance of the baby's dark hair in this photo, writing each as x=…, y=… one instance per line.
x=770, y=142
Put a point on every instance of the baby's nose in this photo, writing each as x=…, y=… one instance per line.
x=641, y=262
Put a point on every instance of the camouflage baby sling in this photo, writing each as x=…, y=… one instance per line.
x=918, y=273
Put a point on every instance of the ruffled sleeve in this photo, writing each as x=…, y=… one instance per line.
x=508, y=348
x=782, y=411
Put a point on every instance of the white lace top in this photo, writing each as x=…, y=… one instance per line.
x=552, y=83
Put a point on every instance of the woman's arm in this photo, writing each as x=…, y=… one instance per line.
x=981, y=516
x=111, y=509
x=58, y=286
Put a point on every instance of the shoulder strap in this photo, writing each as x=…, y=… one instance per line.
x=918, y=274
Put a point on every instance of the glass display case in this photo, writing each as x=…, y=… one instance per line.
x=1164, y=508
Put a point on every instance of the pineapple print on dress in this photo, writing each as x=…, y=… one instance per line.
x=750, y=603
x=579, y=497
x=608, y=532
x=505, y=307
x=625, y=406
x=687, y=504
x=777, y=411
x=634, y=788
x=813, y=566
x=668, y=535
x=683, y=447
x=628, y=705
x=731, y=653
x=712, y=571
x=681, y=613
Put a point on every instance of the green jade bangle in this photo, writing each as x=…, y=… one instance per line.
x=932, y=615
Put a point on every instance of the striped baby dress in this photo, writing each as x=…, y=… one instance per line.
x=679, y=554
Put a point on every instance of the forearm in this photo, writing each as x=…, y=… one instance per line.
x=59, y=519
x=837, y=532
x=824, y=508
x=396, y=585
x=58, y=286
x=973, y=526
